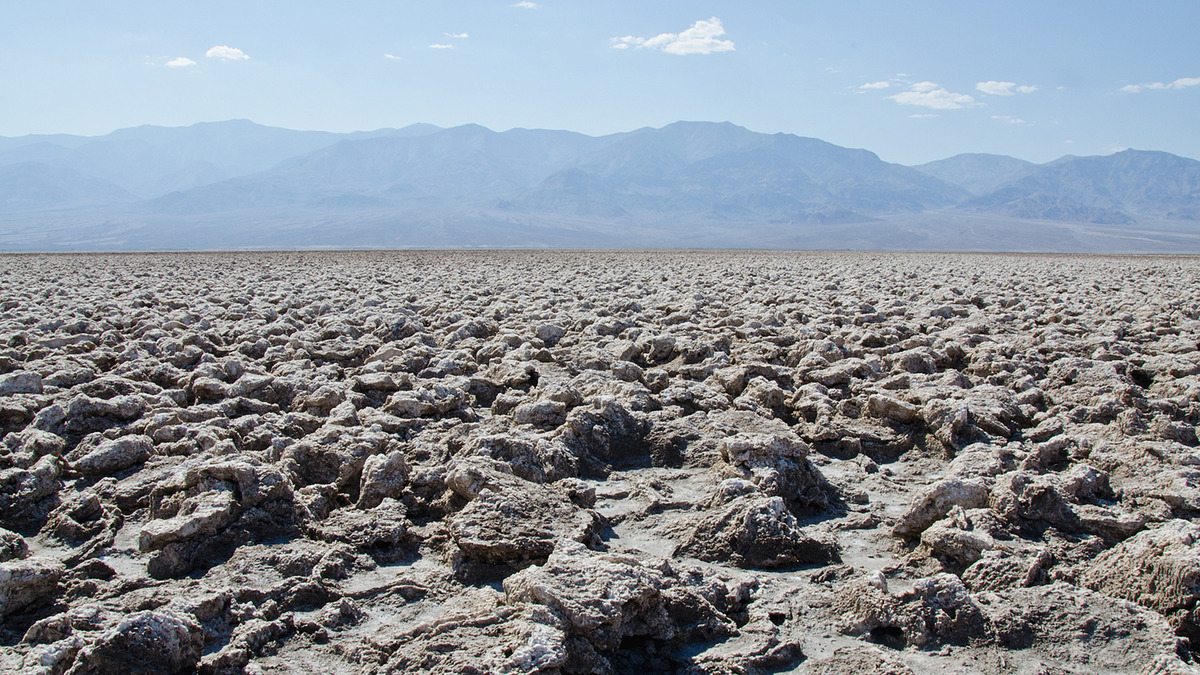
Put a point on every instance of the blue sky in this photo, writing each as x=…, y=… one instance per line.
x=911, y=81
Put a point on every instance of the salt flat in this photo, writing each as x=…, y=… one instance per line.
x=590, y=462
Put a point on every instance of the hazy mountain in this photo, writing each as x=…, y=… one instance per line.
x=410, y=131
x=467, y=163
x=725, y=173
x=37, y=151
x=725, y=168
x=239, y=184
x=1036, y=204
x=34, y=186
x=150, y=161
x=1111, y=189
x=688, y=169
x=978, y=173
x=1157, y=183
x=57, y=140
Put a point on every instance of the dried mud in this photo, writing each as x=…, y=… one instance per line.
x=599, y=462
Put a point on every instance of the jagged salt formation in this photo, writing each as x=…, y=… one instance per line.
x=595, y=462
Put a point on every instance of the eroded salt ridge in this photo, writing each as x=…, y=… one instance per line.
x=595, y=462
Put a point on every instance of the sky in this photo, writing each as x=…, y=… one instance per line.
x=911, y=81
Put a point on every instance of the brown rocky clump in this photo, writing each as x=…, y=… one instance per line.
x=599, y=462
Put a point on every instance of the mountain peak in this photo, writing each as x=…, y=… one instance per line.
x=471, y=128
x=695, y=124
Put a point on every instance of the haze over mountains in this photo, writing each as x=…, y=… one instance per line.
x=689, y=184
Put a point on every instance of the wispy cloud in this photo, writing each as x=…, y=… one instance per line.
x=1181, y=83
x=1004, y=88
x=393, y=57
x=449, y=45
x=1011, y=120
x=701, y=38
x=180, y=62
x=882, y=84
x=526, y=4
x=226, y=53
x=923, y=116
x=931, y=95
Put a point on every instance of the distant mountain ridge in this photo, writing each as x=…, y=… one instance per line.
x=695, y=169
x=150, y=161
x=238, y=184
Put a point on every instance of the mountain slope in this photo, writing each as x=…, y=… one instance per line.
x=729, y=173
x=35, y=186
x=1111, y=189
x=467, y=163
x=978, y=173
x=150, y=161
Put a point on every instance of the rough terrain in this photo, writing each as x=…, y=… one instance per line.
x=599, y=462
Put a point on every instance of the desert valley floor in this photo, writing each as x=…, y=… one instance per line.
x=599, y=462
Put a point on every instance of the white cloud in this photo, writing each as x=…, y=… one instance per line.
x=700, y=38
x=1004, y=88
x=882, y=84
x=393, y=57
x=1011, y=120
x=180, y=62
x=438, y=46
x=226, y=53
x=922, y=116
x=930, y=95
x=1181, y=83
x=526, y=4
x=457, y=36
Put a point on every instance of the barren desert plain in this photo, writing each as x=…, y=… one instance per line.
x=599, y=462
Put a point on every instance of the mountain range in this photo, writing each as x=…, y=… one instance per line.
x=232, y=185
